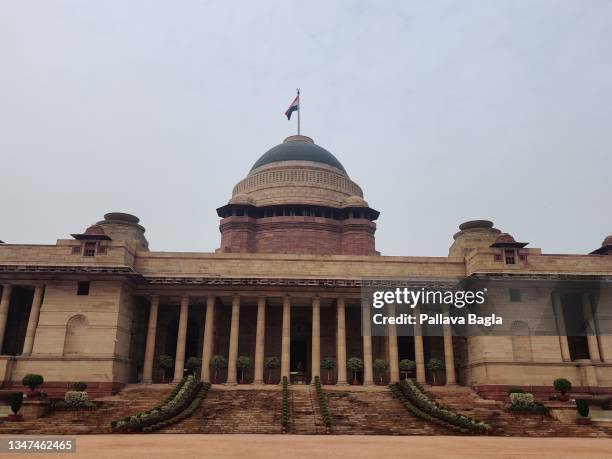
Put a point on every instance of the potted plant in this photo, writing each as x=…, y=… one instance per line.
x=582, y=406
x=354, y=364
x=217, y=361
x=328, y=364
x=16, y=402
x=271, y=364
x=32, y=381
x=407, y=366
x=380, y=365
x=166, y=363
x=193, y=365
x=564, y=386
x=435, y=365
x=242, y=363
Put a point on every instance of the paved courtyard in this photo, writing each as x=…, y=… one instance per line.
x=349, y=446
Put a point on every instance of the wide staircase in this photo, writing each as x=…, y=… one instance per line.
x=465, y=401
x=374, y=411
x=305, y=417
x=132, y=399
x=234, y=410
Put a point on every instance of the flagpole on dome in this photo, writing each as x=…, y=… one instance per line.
x=299, y=109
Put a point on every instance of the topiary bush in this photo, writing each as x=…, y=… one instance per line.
x=582, y=406
x=380, y=365
x=562, y=385
x=16, y=402
x=285, y=405
x=217, y=362
x=271, y=363
x=354, y=364
x=407, y=366
x=322, y=403
x=166, y=363
x=435, y=365
x=243, y=362
x=328, y=364
x=193, y=364
x=78, y=386
x=32, y=381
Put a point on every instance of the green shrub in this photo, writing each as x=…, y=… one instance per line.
x=166, y=363
x=582, y=406
x=380, y=366
x=521, y=399
x=285, y=405
x=435, y=365
x=192, y=364
x=79, y=386
x=16, y=402
x=217, y=362
x=243, y=362
x=271, y=363
x=407, y=366
x=322, y=403
x=562, y=385
x=328, y=364
x=354, y=364
x=32, y=381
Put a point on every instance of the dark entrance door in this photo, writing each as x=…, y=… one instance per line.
x=299, y=355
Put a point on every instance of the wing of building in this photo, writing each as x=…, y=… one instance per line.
x=297, y=241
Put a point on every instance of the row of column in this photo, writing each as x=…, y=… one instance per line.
x=286, y=343
x=5, y=302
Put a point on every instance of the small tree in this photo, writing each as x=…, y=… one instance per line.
x=407, y=366
x=434, y=365
x=328, y=364
x=193, y=364
x=217, y=361
x=243, y=362
x=355, y=364
x=381, y=365
x=562, y=385
x=166, y=363
x=16, y=402
x=32, y=381
x=271, y=364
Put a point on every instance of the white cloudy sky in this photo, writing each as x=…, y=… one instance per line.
x=443, y=111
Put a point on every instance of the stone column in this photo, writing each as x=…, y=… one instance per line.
x=316, y=337
x=286, y=339
x=393, y=352
x=147, y=372
x=341, y=341
x=449, y=355
x=563, y=344
x=366, y=330
x=419, y=353
x=181, y=340
x=28, y=344
x=207, y=345
x=591, y=329
x=260, y=340
x=233, y=344
x=4, y=309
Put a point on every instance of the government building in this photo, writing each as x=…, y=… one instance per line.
x=297, y=239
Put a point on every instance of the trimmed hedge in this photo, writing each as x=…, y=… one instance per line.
x=322, y=403
x=285, y=405
x=179, y=400
x=185, y=413
x=525, y=403
x=423, y=403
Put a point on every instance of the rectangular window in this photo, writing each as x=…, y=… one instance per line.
x=90, y=249
x=510, y=257
x=515, y=295
x=76, y=249
x=83, y=288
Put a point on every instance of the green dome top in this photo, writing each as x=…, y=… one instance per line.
x=298, y=148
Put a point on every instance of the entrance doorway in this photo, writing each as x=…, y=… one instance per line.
x=299, y=356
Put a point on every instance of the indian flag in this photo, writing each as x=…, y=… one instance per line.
x=294, y=107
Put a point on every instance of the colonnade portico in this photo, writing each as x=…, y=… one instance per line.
x=284, y=304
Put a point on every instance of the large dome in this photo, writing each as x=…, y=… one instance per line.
x=298, y=148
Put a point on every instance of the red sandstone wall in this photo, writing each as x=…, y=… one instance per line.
x=312, y=235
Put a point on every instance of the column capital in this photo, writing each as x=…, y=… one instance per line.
x=260, y=297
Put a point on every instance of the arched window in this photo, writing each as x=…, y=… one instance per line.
x=521, y=342
x=76, y=335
